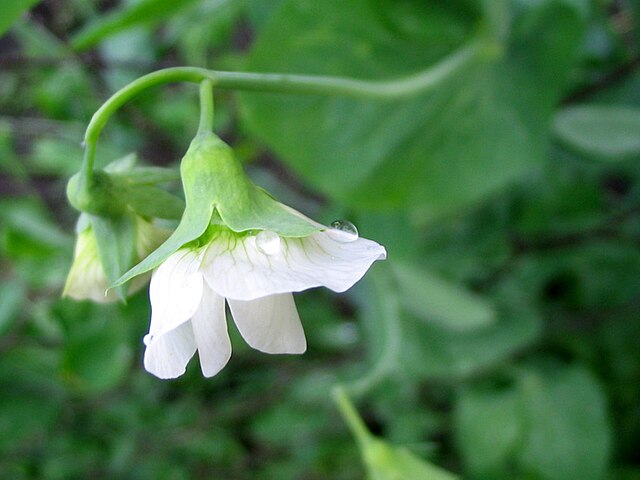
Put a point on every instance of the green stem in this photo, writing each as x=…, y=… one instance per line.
x=280, y=83
x=350, y=415
x=206, y=107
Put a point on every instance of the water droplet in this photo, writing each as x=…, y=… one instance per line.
x=268, y=242
x=343, y=231
x=147, y=339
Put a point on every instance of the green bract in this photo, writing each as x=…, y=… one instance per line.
x=217, y=190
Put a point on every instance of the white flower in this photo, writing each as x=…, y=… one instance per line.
x=188, y=292
x=87, y=279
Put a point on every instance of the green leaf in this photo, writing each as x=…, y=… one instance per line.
x=432, y=351
x=567, y=431
x=116, y=242
x=551, y=424
x=11, y=11
x=432, y=152
x=487, y=428
x=12, y=302
x=129, y=15
x=97, y=357
x=601, y=131
x=437, y=300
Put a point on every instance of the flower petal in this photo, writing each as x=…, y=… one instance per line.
x=167, y=355
x=236, y=269
x=210, y=330
x=175, y=291
x=270, y=324
x=86, y=279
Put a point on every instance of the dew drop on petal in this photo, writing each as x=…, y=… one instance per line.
x=147, y=339
x=268, y=242
x=343, y=231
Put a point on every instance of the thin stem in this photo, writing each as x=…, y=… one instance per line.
x=281, y=83
x=206, y=106
x=350, y=415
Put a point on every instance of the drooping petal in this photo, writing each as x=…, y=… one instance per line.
x=236, y=269
x=270, y=324
x=209, y=325
x=175, y=291
x=167, y=355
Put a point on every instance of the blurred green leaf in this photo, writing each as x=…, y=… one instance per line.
x=11, y=11
x=432, y=351
x=437, y=300
x=12, y=302
x=551, y=425
x=96, y=356
x=130, y=14
x=602, y=131
x=31, y=400
x=433, y=152
x=29, y=230
x=567, y=433
x=488, y=428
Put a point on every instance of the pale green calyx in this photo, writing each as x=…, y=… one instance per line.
x=217, y=190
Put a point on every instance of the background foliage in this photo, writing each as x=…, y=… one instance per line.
x=499, y=340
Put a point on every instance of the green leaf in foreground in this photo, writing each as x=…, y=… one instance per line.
x=601, y=131
x=432, y=152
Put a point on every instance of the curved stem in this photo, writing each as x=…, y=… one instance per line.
x=281, y=83
x=206, y=107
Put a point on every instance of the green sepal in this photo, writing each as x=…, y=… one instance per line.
x=150, y=201
x=148, y=175
x=212, y=174
x=135, y=187
x=213, y=180
x=116, y=242
x=192, y=225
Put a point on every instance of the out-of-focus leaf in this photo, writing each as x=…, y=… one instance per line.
x=488, y=427
x=10, y=11
x=602, y=131
x=128, y=15
x=29, y=231
x=30, y=402
x=97, y=359
x=437, y=300
x=567, y=433
x=432, y=351
x=12, y=298
x=431, y=152
x=551, y=425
